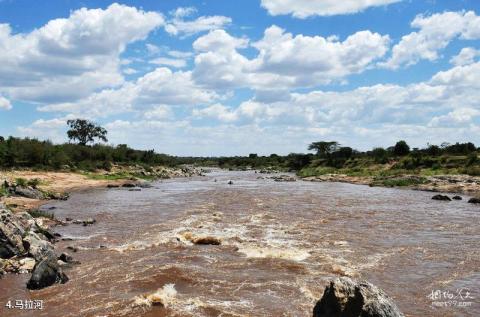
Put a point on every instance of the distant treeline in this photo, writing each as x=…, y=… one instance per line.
x=26, y=152
x=32, y=153
x=331, y=154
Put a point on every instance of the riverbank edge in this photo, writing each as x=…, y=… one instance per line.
x=454, y=184
x=63, y=183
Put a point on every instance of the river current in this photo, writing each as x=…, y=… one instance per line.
x=280, y=244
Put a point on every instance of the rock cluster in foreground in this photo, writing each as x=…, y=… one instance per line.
x=24, y=247
x=344, y=297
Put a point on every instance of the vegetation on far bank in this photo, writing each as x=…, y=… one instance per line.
x=328, y=157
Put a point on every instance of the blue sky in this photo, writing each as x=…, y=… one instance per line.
x=238, y=77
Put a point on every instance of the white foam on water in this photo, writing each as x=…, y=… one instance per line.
x=165, y=296
x=274, y=253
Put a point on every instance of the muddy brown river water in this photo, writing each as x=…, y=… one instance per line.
x=280, y=244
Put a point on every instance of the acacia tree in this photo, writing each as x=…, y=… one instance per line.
x=401, y=148
x=85, y=131
x=324, y=148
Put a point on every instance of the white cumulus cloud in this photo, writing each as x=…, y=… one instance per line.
x=305, y=8
x=284, y=60
x=435, y=33
x=69, y=58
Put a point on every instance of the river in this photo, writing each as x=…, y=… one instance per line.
x=280, y=244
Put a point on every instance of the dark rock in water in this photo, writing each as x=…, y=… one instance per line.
x=128, y=185
x=68, y=219
x=46, y=273
x=28, y=192
x=135, y=190
x=230, y=182
x=457, y=198
x=65, y=257
x=89, y=221
x=347, y=298
x=72, y=248
x=474, y=201
x=441, y=197
x=284, y=178
x=86, y=222
x=112, y=186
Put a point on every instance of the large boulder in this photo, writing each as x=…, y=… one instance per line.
x=344, y=297
x=28, y=192
x=46, y=273
x=11, y=233
x=37, y=247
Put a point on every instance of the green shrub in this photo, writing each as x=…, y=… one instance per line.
x=402, y=182
x=33, y=182
x=471, y=170
x=472, y=159
x=21, y=182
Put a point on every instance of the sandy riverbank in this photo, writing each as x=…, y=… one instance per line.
x=65, y=182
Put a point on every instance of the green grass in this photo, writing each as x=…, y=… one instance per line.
x=36, y=213
x=402, y=182
x=118, y=176
x=108, y=177
x=21, y=182
x=3, y=191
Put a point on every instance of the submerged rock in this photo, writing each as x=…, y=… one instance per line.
x=65, y=257
x=85, y=222
x=89, y=221
x=344, y=297
x=46, y=273
x=284, y=178
x=441, y=197
x=457, y=198
x=474, y=201
x=230, y=183
x=128, y=185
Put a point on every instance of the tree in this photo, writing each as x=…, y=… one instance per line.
x=85, y=131
x=401, y=148
x=380, y=155
x=324, y=148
